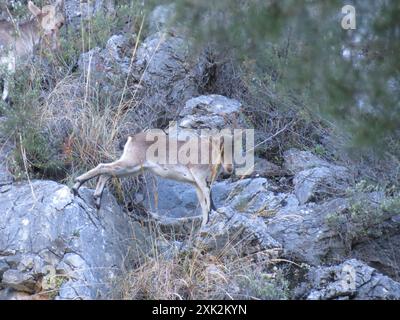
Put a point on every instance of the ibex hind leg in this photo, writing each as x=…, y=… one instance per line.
x=203, y=205
x=103, y=179
x=76, y=187
x=213, y=207
x=111, y=169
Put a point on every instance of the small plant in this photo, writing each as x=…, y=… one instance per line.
x=319, y=150
x=33, y=152
x=191, y=273
x=365, y=186
x=265, y=286
x=363, y=219
x=391, y=205
x=51, y=285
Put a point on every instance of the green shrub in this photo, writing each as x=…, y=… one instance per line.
x=363, y=219
x=33, y=153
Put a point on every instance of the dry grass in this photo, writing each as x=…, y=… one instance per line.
x=73, y=120
x=179, y=270
x=92, y=126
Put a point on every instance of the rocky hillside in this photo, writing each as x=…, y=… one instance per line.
x=304, y=225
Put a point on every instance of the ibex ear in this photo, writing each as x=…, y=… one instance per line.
x=33, y=9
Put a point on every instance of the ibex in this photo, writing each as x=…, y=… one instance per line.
x=135, y=159
x=18, y=41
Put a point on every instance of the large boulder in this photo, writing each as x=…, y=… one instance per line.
x=382, y=253
x=108, y=64
x=164, y=64
x=163, y=76
x=265, y=168
x=313, y=233
x=351, y=279
x=168, y=199
x=243, y=233
x=296, y=160
x=336, y=229
x=251, y=196
x=321, y=182
x=315, y=178
x=55, y=245
x=210, y=112
x=305, y=234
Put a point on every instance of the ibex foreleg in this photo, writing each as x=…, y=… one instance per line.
x=203, y=194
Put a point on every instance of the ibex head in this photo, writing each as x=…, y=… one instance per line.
x=51, y=19
x=226, y=153
x=222, y=154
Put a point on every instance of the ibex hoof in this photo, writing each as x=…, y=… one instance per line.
x=204, y=223
x=75, y=188
x=97, y=203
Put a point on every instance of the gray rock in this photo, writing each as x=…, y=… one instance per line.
x=315, y=178
x=74, y=261
x=382, y=253
x=63, y=268
x=90, y=60
x=210, y=112
x=169, y=200
x=326, y=232
x=304, y=233
x=106, y=63
x=19, y=281
x=245, y=234
x=116, y=48
x=44, y=227
x=320, y=182
x=103, y=70
x=5, y=175
x=10, y=294
x=26, y=263
x=72, y=9
x=73, y=290
x=251, y=196
x=164, y=63
x=350, y=280
x=265, y=168
x=296, y=160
